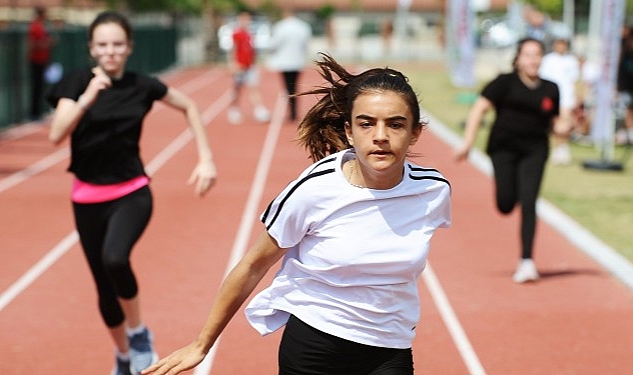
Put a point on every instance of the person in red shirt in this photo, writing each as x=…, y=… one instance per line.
x=242, y=63
x=39, y=53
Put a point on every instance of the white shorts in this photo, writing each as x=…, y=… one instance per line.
x=567, y=96
x=248, y=77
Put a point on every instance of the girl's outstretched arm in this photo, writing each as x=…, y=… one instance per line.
x=235, y=289
x=473, y=122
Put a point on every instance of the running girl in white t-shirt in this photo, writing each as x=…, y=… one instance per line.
x=353, y=230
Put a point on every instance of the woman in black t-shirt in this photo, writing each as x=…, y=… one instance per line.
x=525, y=107
x=102, y=110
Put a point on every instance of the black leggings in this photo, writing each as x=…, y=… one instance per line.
x=305, y=350
x=108, y=231
x=290, y=82
x=37, y=90
x=518, y=179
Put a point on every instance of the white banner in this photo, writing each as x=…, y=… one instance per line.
x=460, y=42
x=611, y=20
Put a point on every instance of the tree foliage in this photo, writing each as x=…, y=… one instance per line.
x=180, y=6
x=555, y=7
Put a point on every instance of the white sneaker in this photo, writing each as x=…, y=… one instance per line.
x=262, y=114
x=526, y=271
x=561, y=155
x=235, y=117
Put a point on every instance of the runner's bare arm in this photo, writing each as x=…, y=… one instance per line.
x=205, y=173
x=235, y=289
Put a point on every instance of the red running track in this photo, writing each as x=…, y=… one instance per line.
x=577, y=320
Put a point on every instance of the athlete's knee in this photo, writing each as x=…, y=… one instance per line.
x=115, y=262
x=505, y=207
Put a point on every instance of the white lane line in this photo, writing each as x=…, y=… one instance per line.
x=249, y=214
x=71, y=239
x=35, y=168
x=200, y=82
x=20, y=131
x=580, y=237
x=38, y=269
x=452, y=323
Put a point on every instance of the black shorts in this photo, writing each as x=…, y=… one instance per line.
x=305, y=350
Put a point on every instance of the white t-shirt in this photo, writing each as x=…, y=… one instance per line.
x=564, y=70
x=289, y=45
x=355, y=254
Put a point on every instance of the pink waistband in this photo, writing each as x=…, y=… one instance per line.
x=84, y=192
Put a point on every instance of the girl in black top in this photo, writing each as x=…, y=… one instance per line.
x=102, y=109
x=525, y=106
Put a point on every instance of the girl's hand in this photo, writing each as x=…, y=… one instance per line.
x=68, y=112
x=182, y=359
x=462, y=152
x=99, y=82
x=204, y=177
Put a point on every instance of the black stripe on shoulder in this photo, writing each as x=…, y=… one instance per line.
x=426, y=177
x=321, y=162
x=294, y=188
x=418, y=178
x=420, y=169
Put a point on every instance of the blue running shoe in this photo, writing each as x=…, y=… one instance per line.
x=122, y=367
x=142, y=353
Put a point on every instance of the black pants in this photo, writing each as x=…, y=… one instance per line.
x=307, y=351
x=290, y=82
x=108, y=231
x=37, y=89
x=518, y=179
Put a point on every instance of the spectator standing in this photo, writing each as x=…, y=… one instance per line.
x=102, y=110
x=243, y=65
x=289, y=51
x=563, y=68
x=386, y=35
x=537, y=25
x=518, y=145
x=625, y=86
x=583, y=113
x=39, y=55
x=353, y=230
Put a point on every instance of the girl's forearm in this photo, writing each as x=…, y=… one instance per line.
x=199, y=132
x=238, y=286
x=66, y=119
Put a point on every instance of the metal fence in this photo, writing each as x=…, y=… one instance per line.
x=154, y=51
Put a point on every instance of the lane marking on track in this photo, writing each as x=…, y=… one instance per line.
x=198, y=83
x=71, y=239
x=579, y=236
x=452, y=323
x=249, y=214
x=38, y=269
x=20, y=131
x=41, y=165
x=33, y=169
